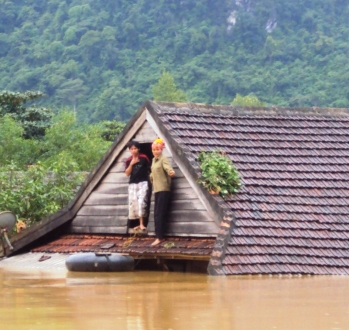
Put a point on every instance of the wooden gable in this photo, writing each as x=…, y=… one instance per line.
x=106, y=208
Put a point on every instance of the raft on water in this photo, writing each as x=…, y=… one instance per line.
x=99, y=262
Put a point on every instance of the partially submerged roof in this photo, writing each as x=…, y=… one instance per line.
x=292, y=215
x=135, y=246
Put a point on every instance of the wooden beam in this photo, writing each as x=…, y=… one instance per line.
x=116, y=177
x=100, y=221
x=185, y=216
x=191, y=229
x=112, y=188
x=182, y=193
x=118, y=167
x=99, y=230
x=100, y=210
x=107, y=199
x=187, y=204
x=178, y=183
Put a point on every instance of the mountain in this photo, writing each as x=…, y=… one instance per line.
x=103, y=56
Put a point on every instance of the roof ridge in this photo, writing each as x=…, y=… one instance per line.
x=245, y=111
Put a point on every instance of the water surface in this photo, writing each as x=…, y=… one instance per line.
x=34, y=299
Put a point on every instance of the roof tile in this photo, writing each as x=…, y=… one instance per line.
x=124, y=244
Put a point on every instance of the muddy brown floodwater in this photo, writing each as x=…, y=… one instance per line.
x=46, y=300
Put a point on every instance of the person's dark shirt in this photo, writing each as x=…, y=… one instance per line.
x=140, y=170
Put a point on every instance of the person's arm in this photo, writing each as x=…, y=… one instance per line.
x=167, y=167
x=128, y=170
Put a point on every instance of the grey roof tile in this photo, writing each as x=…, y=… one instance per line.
x=296, y=176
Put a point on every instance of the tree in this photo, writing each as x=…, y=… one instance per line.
x=248, y=101
x=111, y=129
x=80, y=143
x=166, y=89
x=72, y=90
x=13, y=146
x=34, y=120
x=12, y=103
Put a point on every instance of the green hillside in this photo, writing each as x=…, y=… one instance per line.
x=103, y=56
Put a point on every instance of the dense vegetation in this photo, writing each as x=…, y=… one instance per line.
x=34, y=120
x=40, y=176
x=102, y=58
x=44, y=157
x=40, y=190
x=30, y=134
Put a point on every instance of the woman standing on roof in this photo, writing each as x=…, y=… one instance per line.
x=137, y=168
x=161, y=174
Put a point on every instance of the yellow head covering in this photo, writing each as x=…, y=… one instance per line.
x=158, y=143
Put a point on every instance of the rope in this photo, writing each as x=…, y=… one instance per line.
x=130, y=240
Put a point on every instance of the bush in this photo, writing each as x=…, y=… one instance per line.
x=13, y=146
x=39, y=190
x=218, y=173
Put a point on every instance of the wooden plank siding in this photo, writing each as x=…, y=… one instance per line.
x=100, y=229
x=106, y=208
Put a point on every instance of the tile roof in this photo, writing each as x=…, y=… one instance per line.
x=136, y=246
x=292, y=215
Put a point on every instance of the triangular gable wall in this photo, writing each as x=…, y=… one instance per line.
x=105, y=210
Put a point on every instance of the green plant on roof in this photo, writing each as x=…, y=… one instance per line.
x=218, y=173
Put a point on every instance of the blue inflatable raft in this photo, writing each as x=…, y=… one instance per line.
x=99, y=262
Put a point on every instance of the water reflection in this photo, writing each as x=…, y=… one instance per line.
x=155, y=300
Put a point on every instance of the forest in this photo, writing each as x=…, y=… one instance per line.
x=102, y=58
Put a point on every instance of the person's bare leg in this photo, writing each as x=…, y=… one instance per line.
x=157, y=242
x=141, y=224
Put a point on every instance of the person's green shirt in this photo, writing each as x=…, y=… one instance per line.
x=159, y=176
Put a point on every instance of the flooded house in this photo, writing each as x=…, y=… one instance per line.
x=290, y=217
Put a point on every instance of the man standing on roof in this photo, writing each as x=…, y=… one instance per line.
x=137, y=168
